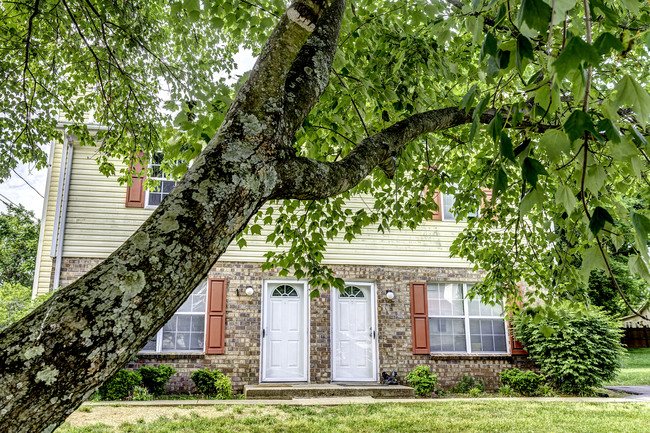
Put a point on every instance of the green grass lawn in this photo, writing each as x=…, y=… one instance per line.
x=447, y=416
x=636, y=368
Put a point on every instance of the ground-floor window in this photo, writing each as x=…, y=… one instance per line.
x=185, y=331
x=457, y=324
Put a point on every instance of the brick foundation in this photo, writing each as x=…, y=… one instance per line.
x=241, y=361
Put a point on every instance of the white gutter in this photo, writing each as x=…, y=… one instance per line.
x=63, y=210
x=41, y=235
x=59, y=196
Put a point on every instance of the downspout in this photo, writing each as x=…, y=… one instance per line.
x=41, y=235
x=63, y=210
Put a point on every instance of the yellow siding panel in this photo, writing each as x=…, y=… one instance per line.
x=45, y=263
x=97, y=223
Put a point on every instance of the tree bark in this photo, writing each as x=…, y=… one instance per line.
x=57, y=356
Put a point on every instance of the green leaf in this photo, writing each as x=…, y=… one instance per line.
x=641, y=226
x=564, y=196
x=531, y=169
x=638, y=138
x=607, y=42
x=192, y=5
x=531, y=199
x=546, y=330
x=592, y=258
x=494, y=128
x=556, y=143
x=639, y=267
x=256, y=229
x=632, y=6
x=506, y=147
x=500, y=183
x=489, y=46
x=535, y=13
x=624, y=150
x=524, y=50
x=577, y=123
x=502, y=58
x=573, y=55
x=629, y=92
x=314, y=294
x=468, y=99
x=595, y=179
x=612, y=132
x=599, y=217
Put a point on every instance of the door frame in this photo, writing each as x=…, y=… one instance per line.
x=374, y=321
x=306, y=336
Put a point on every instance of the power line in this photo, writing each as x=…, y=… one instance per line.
x=28, y=184
x=5, y=202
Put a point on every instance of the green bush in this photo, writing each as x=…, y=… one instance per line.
x=212, y=383
x=466, y=384
x=577, y=349
x=155, y=378
x=423, y=381
x=475, y=392
x=140, y=393
x=120, y=386
x=507, y=391
x=524, y=382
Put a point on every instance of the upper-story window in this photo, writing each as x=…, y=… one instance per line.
x=164, y=184
x=447, y=203
x=457, y=324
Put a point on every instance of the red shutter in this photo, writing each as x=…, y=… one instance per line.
x=516, y=348
x=135, y=192
x=420, y=319
x=215, y=336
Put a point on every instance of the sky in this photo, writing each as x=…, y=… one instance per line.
x=18, y=191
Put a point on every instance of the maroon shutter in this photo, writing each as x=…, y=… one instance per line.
x=420, y=318
x=135, y=192
x=516, y=348
x=215, y=336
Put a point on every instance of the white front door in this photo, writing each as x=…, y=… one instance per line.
x=285, y=346
x=354, y=334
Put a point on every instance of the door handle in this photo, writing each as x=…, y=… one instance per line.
x=263, y=332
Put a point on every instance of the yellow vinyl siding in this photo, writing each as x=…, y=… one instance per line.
x=45, y=263
x=98, y=222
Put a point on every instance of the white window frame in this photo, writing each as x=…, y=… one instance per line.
x=466, y=319
x=159, y=334
x=160, y=179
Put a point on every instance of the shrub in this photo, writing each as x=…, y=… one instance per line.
x=155, y=378
x=577, y=349
x=140, y=393
x=212, y=383
x=475, y=392
x=466, y=384
x=507, y=391
x=423, y=381
x=524, y=382
x=120, y=386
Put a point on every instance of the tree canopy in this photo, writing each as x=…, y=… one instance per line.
x=541, y=101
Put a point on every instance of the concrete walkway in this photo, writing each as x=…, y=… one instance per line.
x=335, y=401
x=638, y=393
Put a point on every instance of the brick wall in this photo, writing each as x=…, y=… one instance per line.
x=241, y=361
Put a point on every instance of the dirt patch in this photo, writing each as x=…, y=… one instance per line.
x=116, y=415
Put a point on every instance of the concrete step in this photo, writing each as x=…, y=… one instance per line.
x=286, y=391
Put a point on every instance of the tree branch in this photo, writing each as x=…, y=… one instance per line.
x=309, y=73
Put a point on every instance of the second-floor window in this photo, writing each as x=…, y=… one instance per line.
x=447, y=203
x=164, y=184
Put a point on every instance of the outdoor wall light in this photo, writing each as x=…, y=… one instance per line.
x=390, y=294
x=249, y=290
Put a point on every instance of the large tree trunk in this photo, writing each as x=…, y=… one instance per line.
x=52, y=360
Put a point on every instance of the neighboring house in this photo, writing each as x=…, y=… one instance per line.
x=637, y=328
x=404, y=303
